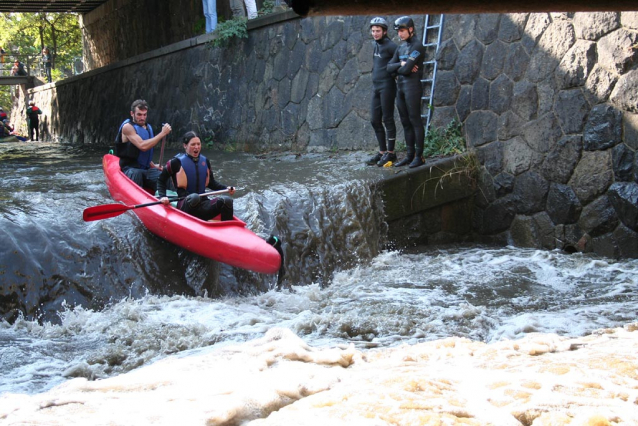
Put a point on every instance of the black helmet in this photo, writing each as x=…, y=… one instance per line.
x=379, y=22
x=403, y=22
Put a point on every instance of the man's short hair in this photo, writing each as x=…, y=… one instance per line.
x=139, y=104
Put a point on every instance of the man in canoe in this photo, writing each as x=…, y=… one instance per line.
x=134, y=145
x=191, y=173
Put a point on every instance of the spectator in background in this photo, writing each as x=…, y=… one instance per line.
x=18, y=69
x=46, y=60
x=2, y=53
x=33, y=119
x=237, y=7
x=210, y=13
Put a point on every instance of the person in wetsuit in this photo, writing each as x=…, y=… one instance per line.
x=407, y=62
x=191, y=173
x=384, y=91
x=134, y=145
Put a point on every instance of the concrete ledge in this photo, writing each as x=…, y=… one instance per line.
x=412, y=191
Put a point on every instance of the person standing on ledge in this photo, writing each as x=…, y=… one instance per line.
x=210, y=13
x=46, y=60
x=33, y=120
x=407, y=63
x=191, y=173
x=134, y=145
x=384, y=90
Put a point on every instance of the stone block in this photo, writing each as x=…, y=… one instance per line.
x=447, y=54
x=512, y=27
x=622, y=160
x=598, y=217
x=501, y=91
x=468, y=63
x=518, y=157
x=530, y=193
x=630, y=130
x=624, y=197
x=599, y=85
x=555, y=42
x=560, y=162
x=494, y=60
x=603, y=129
x=516, y=62
x=525, y=100
x=563, y=206
x=480, y=128
x=480, y=94
x=592, y=175
x=571, y=109
x=543, y=133
x=447, y=88
x=593, y=25
x=615, y=50
x=625, y=93
x=576, y=65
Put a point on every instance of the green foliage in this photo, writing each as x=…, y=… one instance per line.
x=227, y=30
x=446, y=141
x=400, y=146
x=29, y=33
x=267, y=8
x=199, y=27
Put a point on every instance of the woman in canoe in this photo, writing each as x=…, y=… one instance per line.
x=191, y=175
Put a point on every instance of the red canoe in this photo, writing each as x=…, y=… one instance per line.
x=227, y=242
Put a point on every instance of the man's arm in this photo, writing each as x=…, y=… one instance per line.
x=129, y=135
x=394, y=63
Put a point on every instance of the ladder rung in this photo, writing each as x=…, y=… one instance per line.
x=430, y=44
x=427, y=80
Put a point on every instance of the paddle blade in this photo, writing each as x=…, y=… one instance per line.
x=104, y=211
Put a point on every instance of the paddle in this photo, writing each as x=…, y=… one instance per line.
x=106, y=211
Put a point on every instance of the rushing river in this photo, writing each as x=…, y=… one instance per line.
x=102, y=299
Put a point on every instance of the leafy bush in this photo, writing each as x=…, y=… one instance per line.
x=444, y=141
x=227, y=30
x=267, y=8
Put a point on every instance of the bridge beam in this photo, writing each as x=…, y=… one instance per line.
x=410, y=7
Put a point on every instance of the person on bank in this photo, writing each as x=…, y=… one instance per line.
x=191, y=173
x=46, y=60
x=384, y=91
x=407, y=62
x=134, y=145
x=33, y=120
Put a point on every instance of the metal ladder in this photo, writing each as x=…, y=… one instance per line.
x=432, y=32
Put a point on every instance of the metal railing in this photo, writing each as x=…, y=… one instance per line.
x=34, y=66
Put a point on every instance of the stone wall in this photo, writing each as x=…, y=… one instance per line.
x=549, y=102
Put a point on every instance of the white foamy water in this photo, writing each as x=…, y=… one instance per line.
x=388, y=308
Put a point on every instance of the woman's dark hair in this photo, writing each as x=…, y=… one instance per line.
x=188, y=136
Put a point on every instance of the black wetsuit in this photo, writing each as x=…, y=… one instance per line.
x=409, y=92
x=384, y=91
